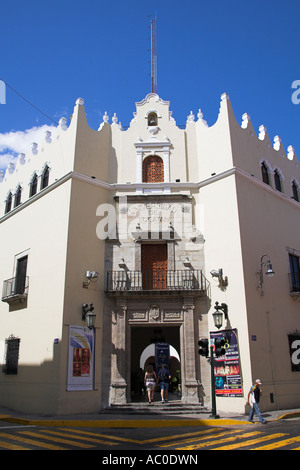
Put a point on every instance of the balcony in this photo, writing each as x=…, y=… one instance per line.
x=158, y=281
x=294, y=284
x=15, y=290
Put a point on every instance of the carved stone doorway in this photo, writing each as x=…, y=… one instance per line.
x=141, y=337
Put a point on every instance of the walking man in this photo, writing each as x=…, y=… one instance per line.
x=255, y=393
x=164, y=379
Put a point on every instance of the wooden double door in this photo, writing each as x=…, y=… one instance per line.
x=154, y=266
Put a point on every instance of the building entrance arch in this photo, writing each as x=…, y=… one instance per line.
x=143, y=341
x=149, y=351
x=174, y=364
x=136, y=324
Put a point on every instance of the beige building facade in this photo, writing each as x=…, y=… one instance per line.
x=153, y=225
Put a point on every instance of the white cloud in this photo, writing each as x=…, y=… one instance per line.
x=15, y=142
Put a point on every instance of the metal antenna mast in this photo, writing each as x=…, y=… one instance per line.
x=153, y=56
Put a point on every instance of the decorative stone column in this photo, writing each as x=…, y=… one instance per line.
x=189, y=383
x=118, y=362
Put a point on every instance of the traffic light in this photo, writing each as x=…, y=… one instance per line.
x=204, y=347
x=219, y=347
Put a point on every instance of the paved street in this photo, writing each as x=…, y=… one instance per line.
x=281, y=434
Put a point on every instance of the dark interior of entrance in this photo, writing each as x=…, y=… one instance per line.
x=141, y=337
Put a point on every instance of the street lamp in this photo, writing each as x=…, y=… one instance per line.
x=88, y=315
x=218, y=321
x=269, y=272
x=218, y=314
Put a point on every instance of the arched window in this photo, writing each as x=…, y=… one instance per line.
x=295, y=191
x=265, y=173
x=8, y=203
x=153, y=170
x=18, y=196
x=45, y=178
x=33, y=185
x=277, y=180
x=152, y=119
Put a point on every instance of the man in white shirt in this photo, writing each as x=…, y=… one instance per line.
x=255, y=392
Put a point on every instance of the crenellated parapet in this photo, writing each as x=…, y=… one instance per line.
x=115, y=155
x=40, y=164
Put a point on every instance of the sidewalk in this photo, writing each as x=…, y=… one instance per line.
x=106, y=420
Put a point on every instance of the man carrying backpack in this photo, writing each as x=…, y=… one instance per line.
x=164, y=379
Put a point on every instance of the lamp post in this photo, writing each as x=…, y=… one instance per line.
x=88, y=315
x=269, y=272
x=218, y=314
x=218, y=321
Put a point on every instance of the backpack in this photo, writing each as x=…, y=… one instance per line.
x=164, y=377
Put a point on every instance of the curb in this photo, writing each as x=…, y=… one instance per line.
x=130, y=423
x=295, y=414
x=123, y=423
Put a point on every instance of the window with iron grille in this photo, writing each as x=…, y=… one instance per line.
x=12, y=356
x=294, y=272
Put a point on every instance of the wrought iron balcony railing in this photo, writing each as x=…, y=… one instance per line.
x=15, y=289
x=156, y=280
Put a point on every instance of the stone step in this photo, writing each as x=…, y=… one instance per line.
x=156, y=407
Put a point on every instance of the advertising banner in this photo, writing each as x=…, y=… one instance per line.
x=81, y=360
x=228, y=381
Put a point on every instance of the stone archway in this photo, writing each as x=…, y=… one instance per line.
x=138, y=322
x=150, y=351
x=143, y=347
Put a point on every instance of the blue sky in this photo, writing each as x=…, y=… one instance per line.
x=54, y=52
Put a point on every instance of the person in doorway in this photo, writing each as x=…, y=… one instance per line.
x=164, y=378
x=150, y=382
x=255, y=394
x=140, y=381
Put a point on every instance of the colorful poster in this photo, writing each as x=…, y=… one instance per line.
x=81, y=351
x=228, y=381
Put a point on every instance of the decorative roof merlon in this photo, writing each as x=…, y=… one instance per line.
x=291, y=152
x=246, y=119
x=277, y=142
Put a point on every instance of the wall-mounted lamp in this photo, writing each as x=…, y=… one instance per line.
x=91, y=276
x=218, y=314
x=219, y=274
x=88, y=315
x=122, y=264
x=269, y=272
x=187, y=263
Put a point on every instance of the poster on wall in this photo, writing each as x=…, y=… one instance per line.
x=228, y=381
x=80, y=360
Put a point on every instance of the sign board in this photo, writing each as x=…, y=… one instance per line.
x=228, y=381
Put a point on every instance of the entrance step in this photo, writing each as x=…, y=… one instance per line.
x=157, y=407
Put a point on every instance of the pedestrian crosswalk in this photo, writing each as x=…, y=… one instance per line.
x=217, y=439
x=207, y=438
